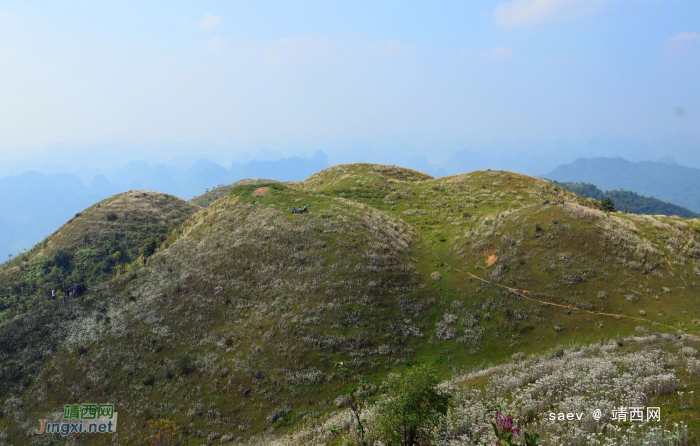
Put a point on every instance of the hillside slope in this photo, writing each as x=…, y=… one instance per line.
x=88, y=248
x=250, y=321
x=33, y=205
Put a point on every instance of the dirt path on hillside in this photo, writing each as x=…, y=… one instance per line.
x=523, y=294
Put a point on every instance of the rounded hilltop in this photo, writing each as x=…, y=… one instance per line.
x=88, y=248
x=499, y=183
x=130, y=217
x=274, y=312
x=412, y=193
x=345, y=174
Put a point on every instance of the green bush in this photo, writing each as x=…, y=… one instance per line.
x=61, y=258
x=185, y=364
x=413, y=407
x=149, y=248
x=607, y=205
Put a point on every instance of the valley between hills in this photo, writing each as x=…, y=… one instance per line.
x=239, y=322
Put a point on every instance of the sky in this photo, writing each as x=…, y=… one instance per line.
x=424, y=77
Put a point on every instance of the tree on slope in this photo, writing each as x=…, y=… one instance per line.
x=607, y=205
x=412, y=408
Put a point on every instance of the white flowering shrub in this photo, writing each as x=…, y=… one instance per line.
x=578, y=381
x=248, y=318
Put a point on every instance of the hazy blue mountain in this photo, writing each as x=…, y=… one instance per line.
x=142, y=175
x=629, y=201
x=267, y=154
x=206, y=174
x=421, y=164
x=287, y=169
x=7, y=238
x=673, y=183
x=33, y=205
x=521, y=162
x=102, y=186
x=203, y=175
x=668, y=160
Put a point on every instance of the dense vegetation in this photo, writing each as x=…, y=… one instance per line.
x=668, y=182
x=247, y=323
x=627, y=201
x=90, y=248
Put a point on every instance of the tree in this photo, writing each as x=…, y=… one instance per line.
x=149, y=248
x=357, y=400
x=607, y=205
x=61, y=258
x=413, y=407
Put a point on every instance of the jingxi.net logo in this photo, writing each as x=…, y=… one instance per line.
x=80, y=418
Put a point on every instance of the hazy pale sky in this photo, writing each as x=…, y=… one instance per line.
x=379, y=72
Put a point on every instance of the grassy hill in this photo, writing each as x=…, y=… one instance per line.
x=88, y=248
x=249, y=322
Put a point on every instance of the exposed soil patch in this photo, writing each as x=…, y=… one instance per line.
x=491, y=259
x=259, y=192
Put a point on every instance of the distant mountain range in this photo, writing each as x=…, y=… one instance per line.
x=206, y=174
x=628, y=201
x=668, y=182
x=33, y=205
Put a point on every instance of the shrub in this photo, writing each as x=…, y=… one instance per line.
x=412, y=409
x=185, y=364
x=607, y=205
x=61, y=258
x=162, y=432
x=112, y=216
x=356, y=401
x=689, y=352
x=149, y=248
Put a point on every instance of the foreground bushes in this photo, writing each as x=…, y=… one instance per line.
x=412, y=409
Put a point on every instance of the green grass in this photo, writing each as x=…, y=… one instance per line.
x=244, y=285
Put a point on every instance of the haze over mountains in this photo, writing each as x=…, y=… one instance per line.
x=627, y=201
x=251, y=321
x=33, y=204
x=669, y=182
